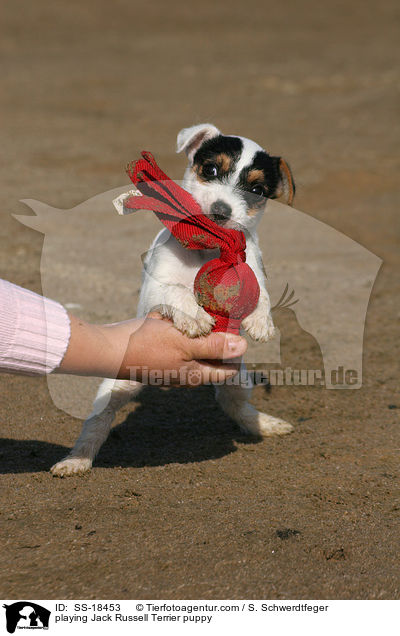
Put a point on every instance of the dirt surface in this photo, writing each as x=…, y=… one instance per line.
x=179, y=503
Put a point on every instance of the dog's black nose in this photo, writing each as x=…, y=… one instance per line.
x=220, y=210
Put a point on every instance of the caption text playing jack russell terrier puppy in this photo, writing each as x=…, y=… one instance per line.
x=232, y=179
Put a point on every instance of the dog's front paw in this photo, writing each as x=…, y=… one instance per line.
x=71, y=466
x=259, y=325
x=193, y=327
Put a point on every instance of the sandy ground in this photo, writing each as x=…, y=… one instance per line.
x=180, y=504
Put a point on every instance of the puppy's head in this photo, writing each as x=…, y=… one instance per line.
x=232, y=177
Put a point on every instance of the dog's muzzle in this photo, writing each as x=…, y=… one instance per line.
x=220, y=210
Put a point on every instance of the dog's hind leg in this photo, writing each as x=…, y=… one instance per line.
x=111, y=396
x=234, y=400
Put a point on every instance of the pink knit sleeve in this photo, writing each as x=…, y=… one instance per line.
x=34, y=331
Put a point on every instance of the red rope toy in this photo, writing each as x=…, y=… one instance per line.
x=225, y=287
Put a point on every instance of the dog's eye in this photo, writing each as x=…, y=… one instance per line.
x=210, y=170
x=259, y=190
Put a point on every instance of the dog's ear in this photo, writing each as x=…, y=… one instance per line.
x=286, y=187
x=190, y=139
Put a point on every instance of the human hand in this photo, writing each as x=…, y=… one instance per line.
x=158, y=352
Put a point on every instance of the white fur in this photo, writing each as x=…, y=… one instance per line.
x=168, y=276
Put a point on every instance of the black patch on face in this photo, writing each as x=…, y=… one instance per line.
x=269, y=178
x=210, y=153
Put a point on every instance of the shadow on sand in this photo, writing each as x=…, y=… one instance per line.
x=166, y=426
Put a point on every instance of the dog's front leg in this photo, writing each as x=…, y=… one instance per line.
x=169, y=272
x=259, y=324
x=181, y=306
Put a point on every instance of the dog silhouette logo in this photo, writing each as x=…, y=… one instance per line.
x=26, y=615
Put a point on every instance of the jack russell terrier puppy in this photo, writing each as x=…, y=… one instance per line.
x=232, y=179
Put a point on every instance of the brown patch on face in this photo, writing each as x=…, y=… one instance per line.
x=256, y=208
x=198, y=172
x=221, y=160
x=224, y=162
x=256, y=175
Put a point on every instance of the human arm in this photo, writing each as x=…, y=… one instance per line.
x=38, y=336
x=130, y=349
